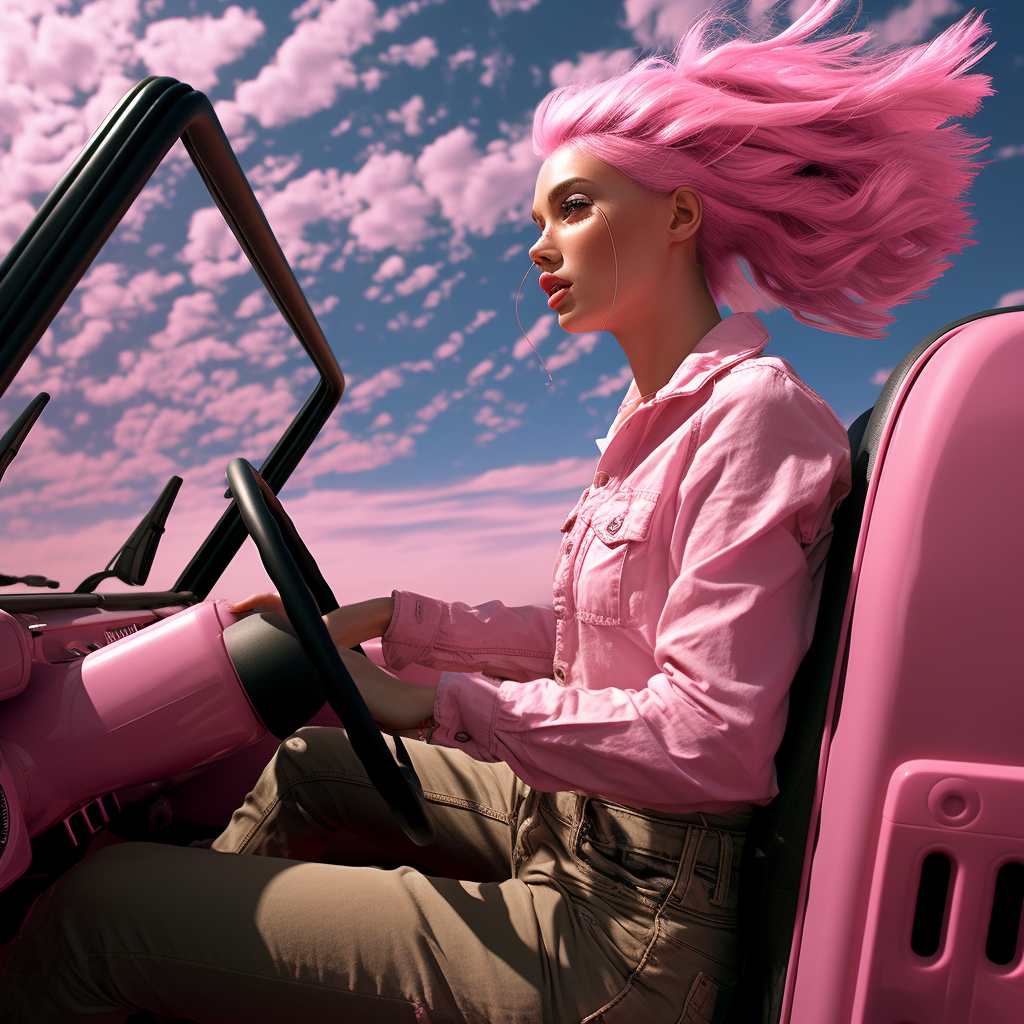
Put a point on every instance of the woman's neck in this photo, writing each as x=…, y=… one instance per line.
x=665, y=332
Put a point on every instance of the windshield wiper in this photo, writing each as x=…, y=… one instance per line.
x=11, y=442
x=131, y=564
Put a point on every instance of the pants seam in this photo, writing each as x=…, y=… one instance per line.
x=686, y=861
x=359, y=780
x=442, y=798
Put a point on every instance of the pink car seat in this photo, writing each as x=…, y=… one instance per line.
x=884, y=884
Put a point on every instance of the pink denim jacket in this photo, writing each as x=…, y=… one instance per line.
x=685, y=594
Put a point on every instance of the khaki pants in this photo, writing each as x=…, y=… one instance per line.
x=545, y=908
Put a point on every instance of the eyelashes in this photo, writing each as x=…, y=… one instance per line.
x=573, y=203
x=577, y=201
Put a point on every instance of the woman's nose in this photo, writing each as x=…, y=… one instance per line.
x=543, y=252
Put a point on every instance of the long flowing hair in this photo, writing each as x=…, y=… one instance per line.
x=825, y=167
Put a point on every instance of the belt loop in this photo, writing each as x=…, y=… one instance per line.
x=724, y=867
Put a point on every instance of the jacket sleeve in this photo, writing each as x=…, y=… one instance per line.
x=770, y=464
x=507, y=643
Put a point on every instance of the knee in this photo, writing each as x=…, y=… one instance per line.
x=314, y=749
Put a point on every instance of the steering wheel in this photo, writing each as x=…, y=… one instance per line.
x=306, y=596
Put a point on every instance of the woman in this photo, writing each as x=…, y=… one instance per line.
x=591, y=766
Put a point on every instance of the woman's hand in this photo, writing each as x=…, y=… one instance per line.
x=396, y=706
x=348, y=625
x=268, y=602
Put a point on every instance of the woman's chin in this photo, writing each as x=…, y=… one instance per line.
x=572, y=321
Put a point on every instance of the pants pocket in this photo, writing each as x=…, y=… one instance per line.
x=699, y=1007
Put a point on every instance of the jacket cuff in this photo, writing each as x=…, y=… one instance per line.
x=465, y=709
x=414, y=625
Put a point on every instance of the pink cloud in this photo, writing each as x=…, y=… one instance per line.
x=146, y=428
x=311, y=65
x=272, y=170
x=255, y=302
x=537, y=333
x=364, y=394
x=450, y=347
x=451, y=542
x=879, y=377
x=58, y=53
x=167, y=373
x=90, y=337
x=253, y=403
x=910, y=23
x=434, y=407
x=193, y=48
x=661, y=21
x=505, y=7
x=571, y=349
x=418, y=54
x=437, y=295
x=189, y=314
x=495, y=64
x=419, y=278
x=609, y=384
x=393, y=209
x=466, y=55
x=591, y=67
x=482, y=317
x=478, y=191
x=101, y=292
x=408, y=115
x=325, y=305
x=1014, y=298
x=479, y=371
x=212, y=250
x=391, y=267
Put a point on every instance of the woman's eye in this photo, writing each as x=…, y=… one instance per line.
x=574, y=203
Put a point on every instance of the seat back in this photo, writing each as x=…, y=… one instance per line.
x=777, y=857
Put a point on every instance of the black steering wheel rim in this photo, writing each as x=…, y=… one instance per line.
x=282, y=551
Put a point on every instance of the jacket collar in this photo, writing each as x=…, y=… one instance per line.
x=736, y=338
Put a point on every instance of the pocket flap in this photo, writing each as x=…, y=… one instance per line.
x=626, y=516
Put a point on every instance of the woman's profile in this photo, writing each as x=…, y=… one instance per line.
x=591, y=765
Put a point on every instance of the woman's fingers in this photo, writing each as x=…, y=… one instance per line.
x=271, y=602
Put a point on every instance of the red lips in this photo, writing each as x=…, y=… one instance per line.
x=551, y=284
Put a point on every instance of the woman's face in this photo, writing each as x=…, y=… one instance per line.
x=576, y=250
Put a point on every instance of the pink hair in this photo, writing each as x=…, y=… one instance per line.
x=825, y=170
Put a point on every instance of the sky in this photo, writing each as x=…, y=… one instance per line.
x=390, y=149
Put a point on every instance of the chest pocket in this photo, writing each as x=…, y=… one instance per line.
x=612, y=567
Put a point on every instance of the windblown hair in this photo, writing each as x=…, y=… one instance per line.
x=823, y=167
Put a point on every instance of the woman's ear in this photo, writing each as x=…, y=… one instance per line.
x=686, y=210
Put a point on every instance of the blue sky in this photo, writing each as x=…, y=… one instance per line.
x=390, y=149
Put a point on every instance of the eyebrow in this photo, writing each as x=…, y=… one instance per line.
x=561, y=187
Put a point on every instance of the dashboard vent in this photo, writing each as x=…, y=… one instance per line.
x=121, y=632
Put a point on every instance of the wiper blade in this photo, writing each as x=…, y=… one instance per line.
x=11, y=442
x=133, y=561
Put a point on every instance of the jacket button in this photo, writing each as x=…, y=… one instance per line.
x=462, y=737
x=615, y=524
x=600, y=478
x=560, y=674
